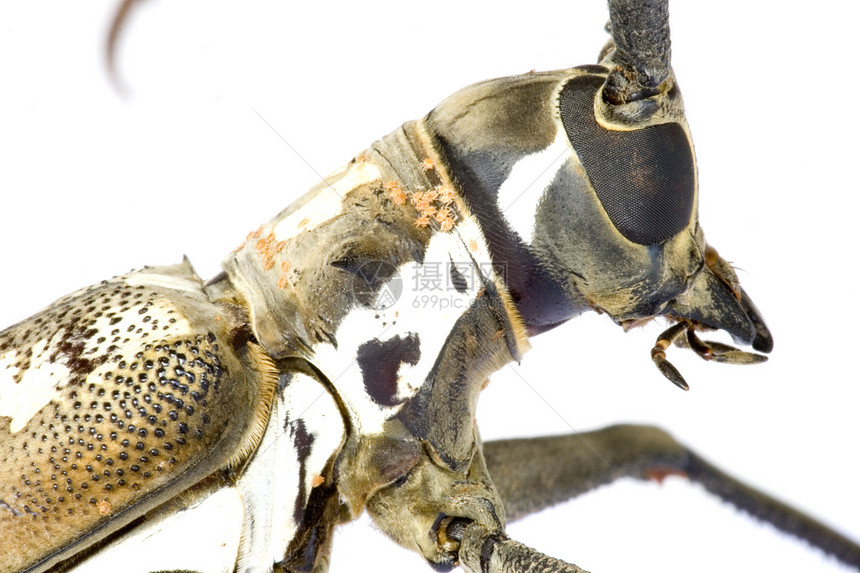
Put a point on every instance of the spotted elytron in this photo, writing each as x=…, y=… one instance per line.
x=158, y=403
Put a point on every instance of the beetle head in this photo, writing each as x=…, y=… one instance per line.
x=584, y=181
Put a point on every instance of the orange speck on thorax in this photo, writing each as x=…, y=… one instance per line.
x=422, y=221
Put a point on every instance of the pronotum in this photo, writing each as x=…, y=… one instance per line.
x=754, y=189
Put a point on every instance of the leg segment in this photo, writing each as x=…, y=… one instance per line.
x=536, y=473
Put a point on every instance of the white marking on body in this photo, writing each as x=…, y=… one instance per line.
x=38, y=384
x=203, y=538
x=431, y=313
x=24, y=393
x=270, y=485
x=520, y=193
x=307, y=400
x=328, y=202
x=162, y=310
x=7, y=366
x=172, y=282
x=428, y=307
x=10, y=388
x=339, y=365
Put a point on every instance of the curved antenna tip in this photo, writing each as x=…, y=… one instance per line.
x=120, y=17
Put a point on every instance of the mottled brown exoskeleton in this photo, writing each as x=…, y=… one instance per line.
x=295, y=394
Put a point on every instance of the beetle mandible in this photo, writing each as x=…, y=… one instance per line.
x=356, y=148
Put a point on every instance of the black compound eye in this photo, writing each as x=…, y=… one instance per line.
x=645, y=179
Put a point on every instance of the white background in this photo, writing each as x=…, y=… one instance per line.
x=93, y=184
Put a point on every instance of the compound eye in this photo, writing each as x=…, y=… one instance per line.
x=645, y=179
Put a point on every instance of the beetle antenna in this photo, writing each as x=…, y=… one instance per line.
x=640, y=31
x=116, y=26
x=482, y=551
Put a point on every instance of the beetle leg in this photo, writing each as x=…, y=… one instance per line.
x=532, y=474
x=658, y=354
x=718, y=352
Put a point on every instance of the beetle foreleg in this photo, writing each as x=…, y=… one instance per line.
x=705, y=349
x=658, y=355
x=723, y=353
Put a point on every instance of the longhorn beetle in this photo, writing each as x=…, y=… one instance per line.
x=695, y=380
